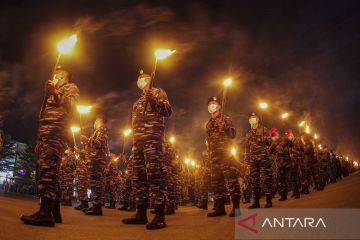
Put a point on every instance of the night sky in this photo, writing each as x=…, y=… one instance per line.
x=301, y=56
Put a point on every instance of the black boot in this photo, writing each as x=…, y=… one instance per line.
x=236, y=205
x=140, y=216
x=159, y=218
x=170, y=210
x=215, y=203
x=256, y=203
x=43, y=217
x=283, y=198
x=132, y=206
x=56, y=212
x=95, y=210
x=219, y=209
x=268, y=201
x=83, y=205
x=203, y=204
x=124, y=207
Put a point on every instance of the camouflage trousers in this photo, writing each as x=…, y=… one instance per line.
x=223, y=172
x=295, y=178
x=50, y=155
x=110, y=187
x=82, y=172
x=310, y=175
x=246, y=188
x=205, y=180
x=148, y=176
x=260, y=172
x=283, y=178
x=97, y=167
x=171, y=186
x=66, y=182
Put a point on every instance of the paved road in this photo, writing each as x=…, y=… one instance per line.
x=188, y=223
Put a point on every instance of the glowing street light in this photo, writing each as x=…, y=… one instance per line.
x=284, y=115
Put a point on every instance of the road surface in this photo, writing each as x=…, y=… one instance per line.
x=187, y=223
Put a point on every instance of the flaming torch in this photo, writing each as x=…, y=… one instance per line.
x=126, y=133
x=227, y=83
x=64, y=47
x=74, y=129
x=83, y=110
x=160, y=54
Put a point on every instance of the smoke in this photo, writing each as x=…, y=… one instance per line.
x=298, y=60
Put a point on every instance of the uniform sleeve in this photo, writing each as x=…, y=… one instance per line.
x=68, y=96
x=229, y=127
x=100, y=139
x=160, y=103
x=247, y=149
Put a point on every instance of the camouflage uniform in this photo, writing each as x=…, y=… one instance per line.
x=281, y=151
x=82, y=173
x=258, y=159
x=297, y=156
x=67, y=174
x=97, y=152
x=204, y=179
x=52, y=135
x=223, y=170
x=324, y=162
x=170, y=169
x=148, y=175
x=310, y=166
x=111, y=179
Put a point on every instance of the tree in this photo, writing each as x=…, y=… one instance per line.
x=26, y=162
x=7, y=153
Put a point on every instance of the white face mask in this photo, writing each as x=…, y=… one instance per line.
x=212, y=108
x=274, y=138
x=141, y=83
x=253, y=121
x=291, y=137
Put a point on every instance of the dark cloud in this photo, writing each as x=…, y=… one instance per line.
x=300, y=56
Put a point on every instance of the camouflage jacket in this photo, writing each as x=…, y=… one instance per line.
x=97, y=145
x=57, y=114
x=219, y=140
x=256, y=142
x=150, y=125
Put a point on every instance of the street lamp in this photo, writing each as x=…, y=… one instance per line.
x=284, y=116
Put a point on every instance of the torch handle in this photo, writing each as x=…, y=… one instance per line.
x=43, y=105
x=150, y=86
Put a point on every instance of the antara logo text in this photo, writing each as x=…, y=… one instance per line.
x=290, y=222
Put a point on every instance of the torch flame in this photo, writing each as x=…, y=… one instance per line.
x=161, y=54
x=227, y=82
x=233, y=151
x=65, y=46
x=284, y=115
x=75, y=129
x=301, y=124
x=263, y=105
x=307, y=129
x=127, y=132
x=172, y=139
x=84, y=109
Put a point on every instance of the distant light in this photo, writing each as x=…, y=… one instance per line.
x=284, y=115
x=172, y=139
x=127, y=132
x=301, y=124
x=233, y=151
x=307, y=129
x=84, y=109
x=161, y=54
x=75, y=129
x=263, y=105
x=227, y=82
x=316, y=136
